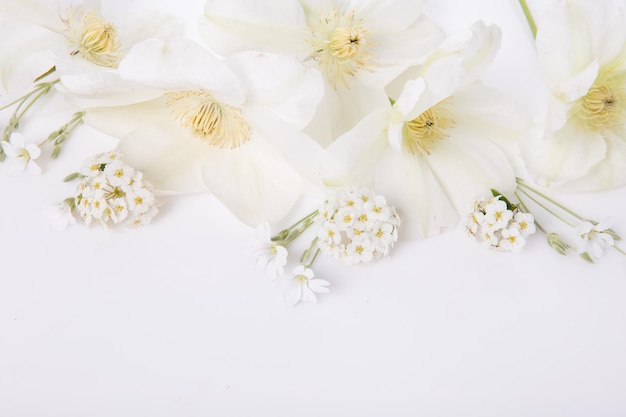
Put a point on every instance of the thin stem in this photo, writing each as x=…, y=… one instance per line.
x=543, y=206
x=523, y=204
x=620, y=250
x=523, y=183
x=306, y=253
x=529, y=17
x=288, y=235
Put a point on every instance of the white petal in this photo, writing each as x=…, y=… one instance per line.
x=319, y=286
x=570, y=153
x=253, y=181
x=292, y=294
x=230, y=26
x=578, y=85
x=181, y=64
x=280, y=83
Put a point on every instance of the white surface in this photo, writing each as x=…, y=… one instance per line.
x=172, y=320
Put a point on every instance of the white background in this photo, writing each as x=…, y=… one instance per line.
x=172, y=319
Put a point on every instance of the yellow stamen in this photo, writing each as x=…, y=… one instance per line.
x=420, y=135
x=340, y=43
x=92, y=37
x=219, y=124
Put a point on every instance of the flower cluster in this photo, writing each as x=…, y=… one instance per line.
x=109, y=191
x=499, y=225
x=357, y=227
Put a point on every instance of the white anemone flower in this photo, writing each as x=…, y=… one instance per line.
x=581, y=47
x=194, y=122
x=446, y=139
x=83, y=35
x=358, y=46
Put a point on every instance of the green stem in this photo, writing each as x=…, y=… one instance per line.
x=525, y=185
x=306, y=253
x=620, y=250
x=529, y=17
x=288, y=235
x=543, y=206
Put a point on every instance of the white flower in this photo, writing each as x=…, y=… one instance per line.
x=594, y=239
x=581, y=47
x=357, y=227
x=195, y=122
x=59, y=215
x=20, y=156
x=83, y=36
x=111, y=191
x=446, y=139
x=267, y=254
x=302, y=286
x=359, y=47
x=495, y=225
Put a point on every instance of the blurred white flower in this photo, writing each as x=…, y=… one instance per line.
x=20, y=156
x=446, y=138
x=359, y=47
x=581, y=47
x=194, y=122
x=594, y=239
x=267, y=255
x=59, y=214
x=302, y=286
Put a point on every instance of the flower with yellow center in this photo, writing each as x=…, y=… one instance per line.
x=196, y=122
x=359, y=47
x=446, y=138
x=582, y=52
x=83, y=37
x=95, y=39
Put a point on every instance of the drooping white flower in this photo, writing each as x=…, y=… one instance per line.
x=20, y=156
x=357, y=227
x=302, y=286
x=82, y=36
x=194, y=122
x=358, y=46
x=267, y=254
x=581, y=47
x=446, y=138
x=594, y=239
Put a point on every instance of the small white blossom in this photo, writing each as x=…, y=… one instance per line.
x=495, y=225
x=21, y=156
x=594, y=239
x=111, y=191
x=302, y=286
x=267, y=254
x=357, y=227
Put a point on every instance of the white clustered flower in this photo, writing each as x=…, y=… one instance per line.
x=357, y=227
x=594, y=239
x=268, y=255
x=496, y=226
x=111, y=191
x=302, y=286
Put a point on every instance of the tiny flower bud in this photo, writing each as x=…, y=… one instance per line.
x=556, y=242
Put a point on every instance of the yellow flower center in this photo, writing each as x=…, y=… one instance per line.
x=340, y=46
x=219, y=124
x=92, y=37
x=603, y=107
x=420, y=135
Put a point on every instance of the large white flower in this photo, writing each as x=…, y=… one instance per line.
x=192, y=121
x=359, y=46
x=446, y=139
x=582, y=51
x=85, y=35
